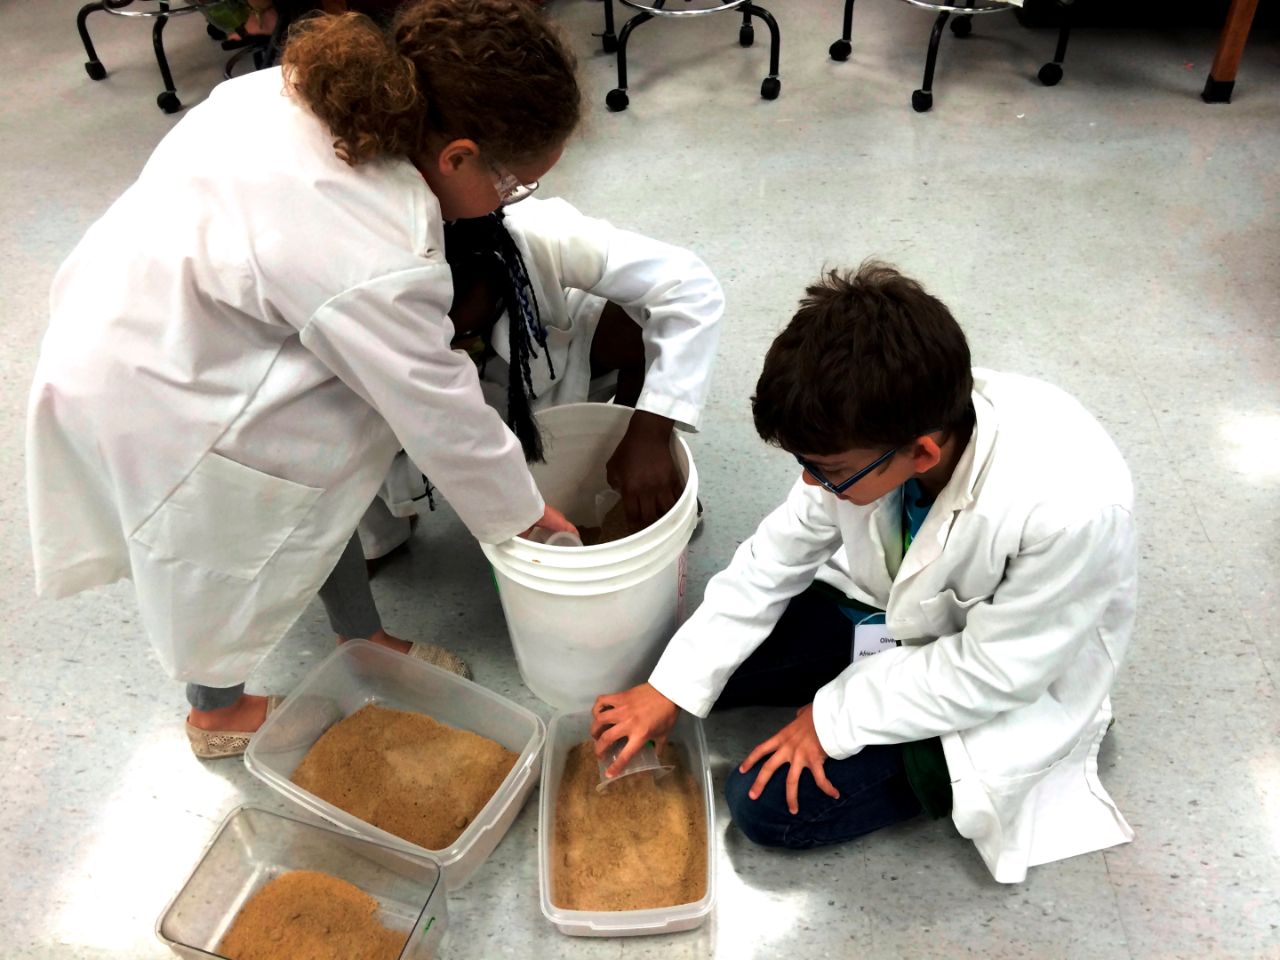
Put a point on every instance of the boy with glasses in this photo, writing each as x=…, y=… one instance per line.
x=979, y=526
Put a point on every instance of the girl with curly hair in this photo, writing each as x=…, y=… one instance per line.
x=243, y=341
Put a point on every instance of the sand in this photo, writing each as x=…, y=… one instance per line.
x=613, y=527
x=639, y=843
x=405, y=773
x=310, y=915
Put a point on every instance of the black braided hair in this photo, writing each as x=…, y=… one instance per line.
x=482, y=246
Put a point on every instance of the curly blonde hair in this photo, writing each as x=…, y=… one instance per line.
x=494, y=71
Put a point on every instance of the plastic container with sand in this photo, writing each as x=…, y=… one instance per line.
x=566, y=732
x=593, y=619
x=360, y=673
x=254, y=847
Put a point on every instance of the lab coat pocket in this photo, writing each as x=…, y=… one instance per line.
x=227, y=517
x=946, y=613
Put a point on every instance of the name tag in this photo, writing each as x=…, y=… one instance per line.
x=870, y=639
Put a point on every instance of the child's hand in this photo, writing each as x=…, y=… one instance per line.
x=639, y=714
x=643, y=470
x=553, y=520
x=797, y=744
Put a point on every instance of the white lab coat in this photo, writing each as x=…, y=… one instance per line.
x=577, y=264
x=1013, y=607
x=237, y=349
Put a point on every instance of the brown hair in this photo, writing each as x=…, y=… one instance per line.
x=869, y=360
x=494, y=71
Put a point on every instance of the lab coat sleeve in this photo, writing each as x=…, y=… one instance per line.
x=743, y=602
x=668, y=290
x=388, y=340
x=1013, y=646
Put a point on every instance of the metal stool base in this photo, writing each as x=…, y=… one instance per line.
x=965, y=10
x=617, y=98
x=167, y=100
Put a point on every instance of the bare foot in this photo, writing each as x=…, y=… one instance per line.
x=244, y=716
x=384, y=639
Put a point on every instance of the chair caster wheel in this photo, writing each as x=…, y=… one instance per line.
x=962, y=26
x=1050, y=74
x=609, y=42
x=95, y=70
x=169, y=102
x=214, y=33
x=617, y=100
x=840, y=50
x=746, y=35
x=770, y=88
x=921, y=100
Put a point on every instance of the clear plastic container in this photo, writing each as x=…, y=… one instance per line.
x=254, y=846
x=567, y=730
x=360, y=673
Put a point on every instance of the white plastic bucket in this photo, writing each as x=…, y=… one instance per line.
x=590, y=620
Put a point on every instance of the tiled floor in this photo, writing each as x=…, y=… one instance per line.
x=1113, y=234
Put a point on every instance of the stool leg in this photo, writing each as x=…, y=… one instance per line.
x=93, y=66
x=608, y=39
x=168, y=100
x=922, y=99
x=1051, y=72
x=617, y=99
x=746, y=32
x=841, y=49
x=775, y=50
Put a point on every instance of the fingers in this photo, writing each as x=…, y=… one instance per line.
x=555, y=521
x=599, y=725
x=624, y=756
x=793, y=787
x=761, y=750
x=820, y=778
x=609, y=736
x=766, y=773
x=604, y=704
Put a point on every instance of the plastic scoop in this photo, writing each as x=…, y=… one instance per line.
x=645, y=761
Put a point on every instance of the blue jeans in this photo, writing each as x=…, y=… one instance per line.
x=809, y=646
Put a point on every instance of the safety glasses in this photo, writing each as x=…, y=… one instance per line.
x=507, y=184
x=815, y=471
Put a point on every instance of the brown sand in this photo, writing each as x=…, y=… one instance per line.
x=613, y=527
x=312, y=915
x=405, y=773
x=639, y=843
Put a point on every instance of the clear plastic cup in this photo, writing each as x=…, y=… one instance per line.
x=645, y=761
x=560, y=538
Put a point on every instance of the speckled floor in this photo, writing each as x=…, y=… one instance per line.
x=1112, y=234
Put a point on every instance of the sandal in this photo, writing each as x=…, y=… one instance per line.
x=215, y=744
x=438, y=656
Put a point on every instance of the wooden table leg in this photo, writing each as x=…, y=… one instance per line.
x=1222, y=75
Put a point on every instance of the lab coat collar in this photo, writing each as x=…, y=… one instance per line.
x=957, y=495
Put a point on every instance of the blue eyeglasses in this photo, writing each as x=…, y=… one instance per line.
x=838, y=488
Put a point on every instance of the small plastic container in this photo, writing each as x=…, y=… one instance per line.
x=359, y=673
x=645, y=760
x=566, y=731
x=254, y=846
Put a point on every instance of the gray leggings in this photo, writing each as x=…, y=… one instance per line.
x=347, y=600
